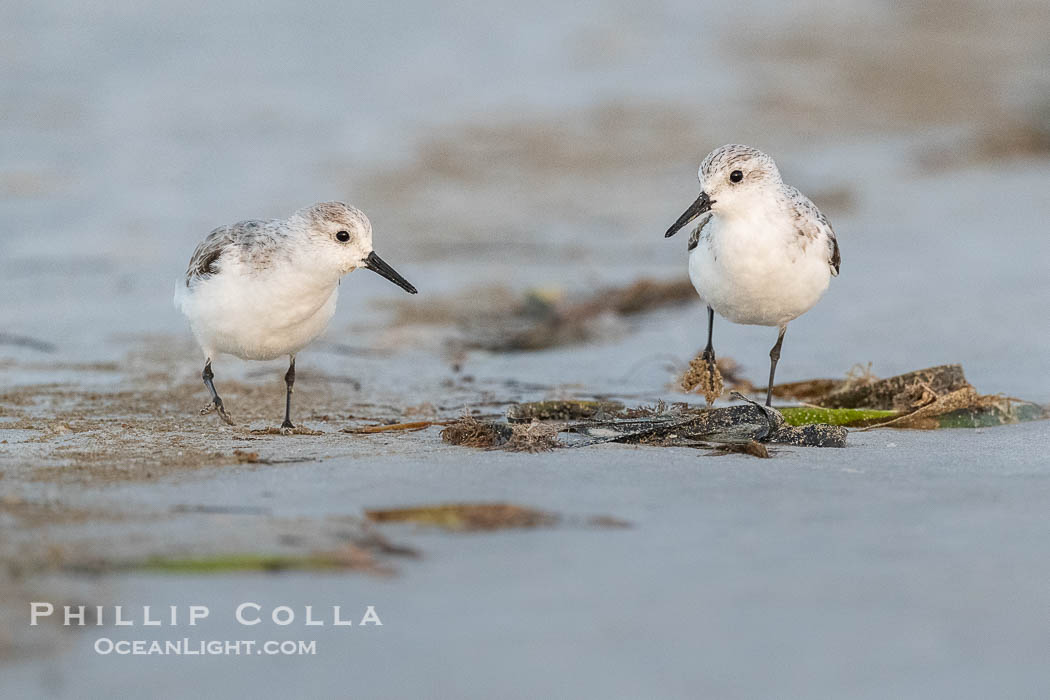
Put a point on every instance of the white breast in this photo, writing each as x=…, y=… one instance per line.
x=259, y=316
x=756, y=269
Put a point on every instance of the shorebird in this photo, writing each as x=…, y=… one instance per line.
x=762, y=254
x=260, y=290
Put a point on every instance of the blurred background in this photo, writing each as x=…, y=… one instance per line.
x=537, y=144
x=500, y=147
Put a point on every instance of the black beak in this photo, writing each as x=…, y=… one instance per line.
x=702, y=204
x=375, y=263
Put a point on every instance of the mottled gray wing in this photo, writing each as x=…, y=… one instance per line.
x=694, y=240
x=836, y=259
x=813, y=225
x=204, y=258
x=248, y=240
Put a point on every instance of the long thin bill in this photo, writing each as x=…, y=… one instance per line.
x=376, y=264
x=702, y=204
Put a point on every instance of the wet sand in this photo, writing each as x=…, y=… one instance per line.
x=910, y=563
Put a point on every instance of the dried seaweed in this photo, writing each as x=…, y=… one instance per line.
x=902, y=392
x=703, y=376
x=561, y=410
x=965, y=408
x=734, y=425
x=466, y=517
x=932, y=398
x=675, y=425
x=751, y=447
x=935, y=397
x=657, y=409
x=468, y=431
x=535, y=436
x=808, y=391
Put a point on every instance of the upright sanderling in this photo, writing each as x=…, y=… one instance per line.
x=763, y=254
x=262, y=289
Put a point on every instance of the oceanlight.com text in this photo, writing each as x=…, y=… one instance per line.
x=105, y=646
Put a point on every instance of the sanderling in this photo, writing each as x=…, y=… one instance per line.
x=262, y=289
x=763, y=254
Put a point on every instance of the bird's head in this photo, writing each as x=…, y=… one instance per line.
x=732, y=178
x=342, y=236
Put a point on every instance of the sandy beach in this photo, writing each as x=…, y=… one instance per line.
x=505, y=152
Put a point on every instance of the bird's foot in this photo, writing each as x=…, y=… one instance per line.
x=287, y=428
x=283, y=430
x=216, y=405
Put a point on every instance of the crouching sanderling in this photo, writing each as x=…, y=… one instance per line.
x=762, y=254
x=259, y=290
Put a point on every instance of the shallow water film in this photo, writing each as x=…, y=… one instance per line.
x=520, y=163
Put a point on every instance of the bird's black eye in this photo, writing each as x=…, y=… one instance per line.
x=736, y=176
x=342, y=236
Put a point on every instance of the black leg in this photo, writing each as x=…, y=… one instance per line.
x=216, y=402
x=289, y=380
x=709, y=351
x=774, y=357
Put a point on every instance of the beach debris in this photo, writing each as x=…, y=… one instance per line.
x=674, y=425
x=468, y=431
x=499, y=320
x=704, y=376
x=561, y=410
x=935, y=397
x=347, y=557
x=812, y=391
x=712, y=382
x=813, y=435
x=751, y=447
x=850, y=417
x=731, y=425
x=965, y=408
x=994, y=410
x=809, y=391
x=466, y=517
x=545, y=321
x=683, y=425
x=481, y=517
x=534, y=436
x=300, y=545
x=901, y=393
